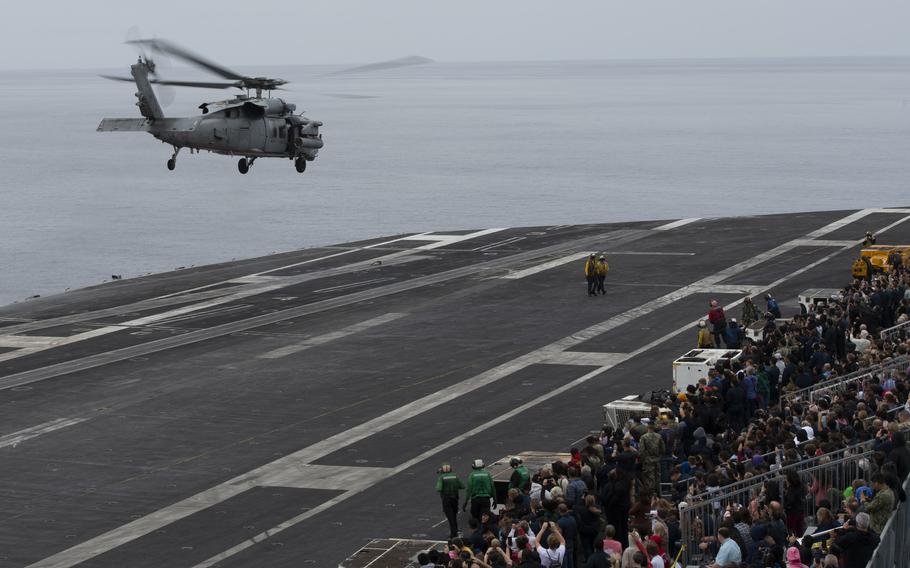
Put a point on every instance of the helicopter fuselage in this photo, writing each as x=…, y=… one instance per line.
x=244, y=127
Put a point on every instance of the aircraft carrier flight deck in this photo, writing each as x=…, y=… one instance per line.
x=285, y=410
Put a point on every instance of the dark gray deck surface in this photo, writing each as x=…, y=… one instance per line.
x=284, y=411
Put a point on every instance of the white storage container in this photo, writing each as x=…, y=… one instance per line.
x=695, y=365
x=618, y=412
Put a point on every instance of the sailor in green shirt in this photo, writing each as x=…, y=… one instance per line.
x=520, y=478
x=480, y=490
x=448, y=486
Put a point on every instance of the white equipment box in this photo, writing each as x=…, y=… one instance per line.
x=618, y=412
x=695, y=365
x=754, y=330
x=818, y=297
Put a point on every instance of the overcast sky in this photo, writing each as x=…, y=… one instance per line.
x=88, y=33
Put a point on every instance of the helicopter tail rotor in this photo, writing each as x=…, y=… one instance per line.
x=165, y=94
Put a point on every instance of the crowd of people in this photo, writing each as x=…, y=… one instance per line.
x=621, y=498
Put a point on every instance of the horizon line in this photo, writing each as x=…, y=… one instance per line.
x=500, y=61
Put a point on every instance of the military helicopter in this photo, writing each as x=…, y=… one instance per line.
x=252, y=127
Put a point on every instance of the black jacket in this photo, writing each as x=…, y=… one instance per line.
x=616, y=501
x=598, y=560
x=855, y=547
x=901, y=458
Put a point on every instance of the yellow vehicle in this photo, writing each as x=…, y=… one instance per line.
x=878, y=258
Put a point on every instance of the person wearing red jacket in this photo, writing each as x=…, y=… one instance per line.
x=717, y=319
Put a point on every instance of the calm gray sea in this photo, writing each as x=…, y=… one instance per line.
x=443, y=146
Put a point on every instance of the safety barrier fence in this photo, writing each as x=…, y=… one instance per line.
x=831, y=386
x=898, y=331
x=894, y=549
x=777, y=472
x=820, y=480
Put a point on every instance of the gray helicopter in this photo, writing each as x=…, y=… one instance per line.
x=252, y=127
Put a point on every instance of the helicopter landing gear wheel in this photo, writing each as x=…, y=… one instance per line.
x=172, y=163
x=243, y=166
x=300, y=165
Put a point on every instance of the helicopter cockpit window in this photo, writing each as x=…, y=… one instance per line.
x=282, y=132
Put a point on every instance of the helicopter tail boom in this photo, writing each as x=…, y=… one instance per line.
x=148, y=102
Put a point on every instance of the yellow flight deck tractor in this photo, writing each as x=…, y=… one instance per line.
x=874, y=259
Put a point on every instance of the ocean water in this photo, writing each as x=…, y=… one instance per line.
x=443, y=146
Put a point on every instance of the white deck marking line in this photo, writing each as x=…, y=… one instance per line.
x=886, y=210
x=387, y=551
x=676, y=224
x=19, y=341
x=530, y=271
x=255, y=279
x=21, y=352
x=843, y=222
x=584, y=358
x=824, y=243
x=428, y=237
x=15, y=438
x=214, y=495
x=454, y=239
x=339, y=478
x=750, y=289
x=352, y=285
x=331, y=336
x=204, y=313
x=501, y=243
x=647, y=253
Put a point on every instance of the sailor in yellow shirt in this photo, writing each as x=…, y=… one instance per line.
x=705, y=339
x=591, y=273
x=859, y=269
x=601, y=272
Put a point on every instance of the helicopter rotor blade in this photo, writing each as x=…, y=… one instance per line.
x=170, y=48
x=113, y=78
x=197, y=84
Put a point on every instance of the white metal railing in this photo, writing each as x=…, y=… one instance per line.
x=825, y=388
x=896, y=330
